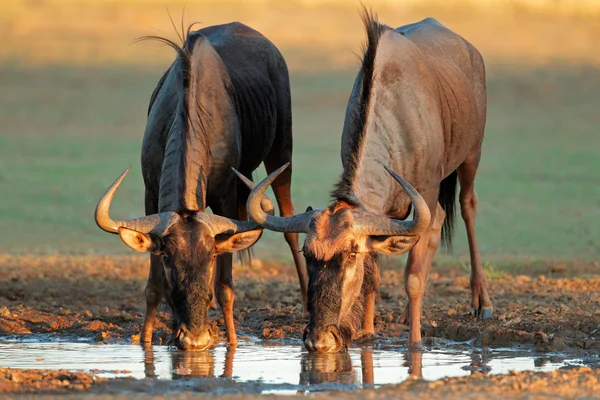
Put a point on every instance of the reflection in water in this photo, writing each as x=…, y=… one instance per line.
x=479, y=362
x=317, y=368
x=193, y=364
x=275, y=367
x=366, y=362
x=414, y=361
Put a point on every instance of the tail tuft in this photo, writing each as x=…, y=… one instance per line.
x=447, y=199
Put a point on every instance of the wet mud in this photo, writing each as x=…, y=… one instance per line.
x=550, y=307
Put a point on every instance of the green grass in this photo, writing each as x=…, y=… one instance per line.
x=68, y=132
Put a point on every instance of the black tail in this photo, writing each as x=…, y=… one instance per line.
x=447, y=199
x=245, y=256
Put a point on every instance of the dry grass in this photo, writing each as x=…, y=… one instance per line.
x=326, y=35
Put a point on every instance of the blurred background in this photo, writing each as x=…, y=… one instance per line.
x=74, y=93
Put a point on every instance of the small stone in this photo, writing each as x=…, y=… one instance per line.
x=563, y=308
x=451, y=312
x=101, y=336
x=135, y=339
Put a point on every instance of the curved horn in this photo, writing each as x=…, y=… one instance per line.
x=158, y=223
x=265, y=202
x=297, y=223
x=220, y=225
x=376, y=225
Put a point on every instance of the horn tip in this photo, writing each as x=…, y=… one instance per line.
x=284, y=166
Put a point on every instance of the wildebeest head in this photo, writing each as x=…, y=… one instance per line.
x=342, y=242
x=188, y=245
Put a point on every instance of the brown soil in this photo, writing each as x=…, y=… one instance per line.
x=567, y=384
x=548, y=307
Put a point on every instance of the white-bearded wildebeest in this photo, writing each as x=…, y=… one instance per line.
x=224, y=102
x=418, y=107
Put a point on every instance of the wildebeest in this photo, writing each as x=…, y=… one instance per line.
x=418, y=107
x=224, y=102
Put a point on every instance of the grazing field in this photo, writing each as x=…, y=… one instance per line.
x=74, y=94
x=68, y=132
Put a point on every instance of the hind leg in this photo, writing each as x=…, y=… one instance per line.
x=434, y=242
x=481, y=304
x=282, y=188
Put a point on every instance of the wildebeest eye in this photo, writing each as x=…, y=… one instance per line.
x=166, y=258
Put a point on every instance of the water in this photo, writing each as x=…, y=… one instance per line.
x=275, y=368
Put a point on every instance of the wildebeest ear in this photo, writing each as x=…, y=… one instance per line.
x=392, y=245
x=136, y=240
x=237, y=242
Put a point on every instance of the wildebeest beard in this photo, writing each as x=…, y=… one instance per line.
x=189, y=289
x=325, y=294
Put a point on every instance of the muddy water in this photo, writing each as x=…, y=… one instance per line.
x=275, y=368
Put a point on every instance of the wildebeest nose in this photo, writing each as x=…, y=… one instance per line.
x=314, y=346
x=321, y=342
x=185, y=340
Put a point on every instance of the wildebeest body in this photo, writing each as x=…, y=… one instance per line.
x=417, y=108
x=223, y=103
x=426, y=113
x=241, y=100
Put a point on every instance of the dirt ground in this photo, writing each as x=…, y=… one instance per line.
x=544, y=306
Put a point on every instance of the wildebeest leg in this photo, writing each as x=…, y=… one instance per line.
x=282, y=188
x=154, y=293
x=481, y=304
x=155, y=284
x=415, y=279
x=434, y=242
x=225, y=295
x=224, y=278
x=369, y=314
x=370, y=289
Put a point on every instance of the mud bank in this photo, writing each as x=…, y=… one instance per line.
x=572, y=383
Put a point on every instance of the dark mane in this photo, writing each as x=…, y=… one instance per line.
x=364, y=83
x=183, y=71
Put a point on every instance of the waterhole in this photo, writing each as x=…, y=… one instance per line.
x=269, y=368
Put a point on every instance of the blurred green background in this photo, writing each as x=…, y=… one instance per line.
x=74, y=95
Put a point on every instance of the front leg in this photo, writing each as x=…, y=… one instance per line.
x=434, y=242
x=225, y=295
x=368, y=324
x=154, y=293
x=414, y=283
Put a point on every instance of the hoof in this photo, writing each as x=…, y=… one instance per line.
x=232, y=345
x=365, y=337
x=487, y=313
